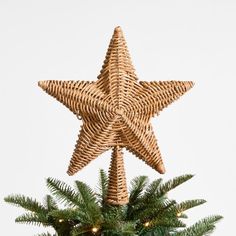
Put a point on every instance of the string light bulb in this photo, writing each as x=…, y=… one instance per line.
x=61, y=220
x=146, y=224
x=94, y=229
x=179, y=214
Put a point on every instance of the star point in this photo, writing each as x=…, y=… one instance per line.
x=43, y=84
x=118, y=29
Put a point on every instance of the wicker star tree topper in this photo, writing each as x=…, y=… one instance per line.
x=116, y=111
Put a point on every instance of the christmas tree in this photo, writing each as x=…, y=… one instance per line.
x=149, y=212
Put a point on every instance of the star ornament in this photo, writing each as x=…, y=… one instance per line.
x=116, y=108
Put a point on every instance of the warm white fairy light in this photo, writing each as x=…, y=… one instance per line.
x=94, y=229
x=146, y=224
x=179, y=214
x=60, y=220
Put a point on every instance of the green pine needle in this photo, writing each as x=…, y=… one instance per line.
x=62, y=192
x=27, y=203
x=103, y=185
x=32, y=218
x=50, y=203
x=138, y=185
x=171, y=184
x=202, y=227
x=86, y=194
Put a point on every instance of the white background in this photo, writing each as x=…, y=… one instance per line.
x=168, y=40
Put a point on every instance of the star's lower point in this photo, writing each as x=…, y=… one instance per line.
x=161, y=168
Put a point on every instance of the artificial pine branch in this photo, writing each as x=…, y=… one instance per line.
x=183, y=206
x=50, y=203
x=86, y=194
x=171, y=184
x=137, y=186
x=103, y=185
x=27, y=203
x=32, y=218
x=62, y=192
x=202, y=227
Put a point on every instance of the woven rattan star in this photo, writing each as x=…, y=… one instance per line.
x=116, y=109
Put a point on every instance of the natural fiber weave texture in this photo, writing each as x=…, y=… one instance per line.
x=117, y=190
x=116, y=109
